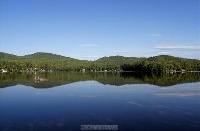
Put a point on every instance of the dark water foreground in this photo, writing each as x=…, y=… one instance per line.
x=65, y=101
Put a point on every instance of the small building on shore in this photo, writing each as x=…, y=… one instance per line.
x=4, y=70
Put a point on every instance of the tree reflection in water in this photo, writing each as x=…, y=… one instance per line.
x=48, y=80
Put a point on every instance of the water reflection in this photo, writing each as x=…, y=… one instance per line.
x=94, y=99
x=46, y=80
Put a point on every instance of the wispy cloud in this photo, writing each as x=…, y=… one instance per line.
x=88, y=45
x=121, y=51
x=164, y=53
x=178, y=47
x=155, y=34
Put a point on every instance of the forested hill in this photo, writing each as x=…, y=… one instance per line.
x=48, y=61
x=50, y=56
x=7, y=56
x=35, y=56
x=169, y=58
x=118, y=60
x=164, y=63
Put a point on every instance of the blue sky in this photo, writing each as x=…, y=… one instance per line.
x=90, y=29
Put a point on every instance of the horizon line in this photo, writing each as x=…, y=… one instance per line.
x=98, y=57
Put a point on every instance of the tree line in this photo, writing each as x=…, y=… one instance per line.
x=52, y=62
x=112, y=78
x=163, y=63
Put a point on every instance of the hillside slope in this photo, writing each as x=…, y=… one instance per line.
x=49, y=61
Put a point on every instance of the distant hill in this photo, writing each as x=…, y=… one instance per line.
x=7, y=56
x=40, y=60
x=49, y=61
x=39, y=56
x=164, y=63
x=42, y=55
x=114, y=62
x=118, y=59
x=110, y=59
x=168, y=58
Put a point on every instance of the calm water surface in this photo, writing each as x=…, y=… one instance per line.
x=29, y=104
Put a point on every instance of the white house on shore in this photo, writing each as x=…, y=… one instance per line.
x=4, y=70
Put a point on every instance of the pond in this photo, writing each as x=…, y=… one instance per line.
x=64, y=101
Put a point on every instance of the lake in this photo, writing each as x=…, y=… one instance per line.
x=62, y=101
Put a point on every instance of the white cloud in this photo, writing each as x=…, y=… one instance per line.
x=164, y=53
x=121, y=51
x=88, y=45
x=178, y=47
x=155, y=34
